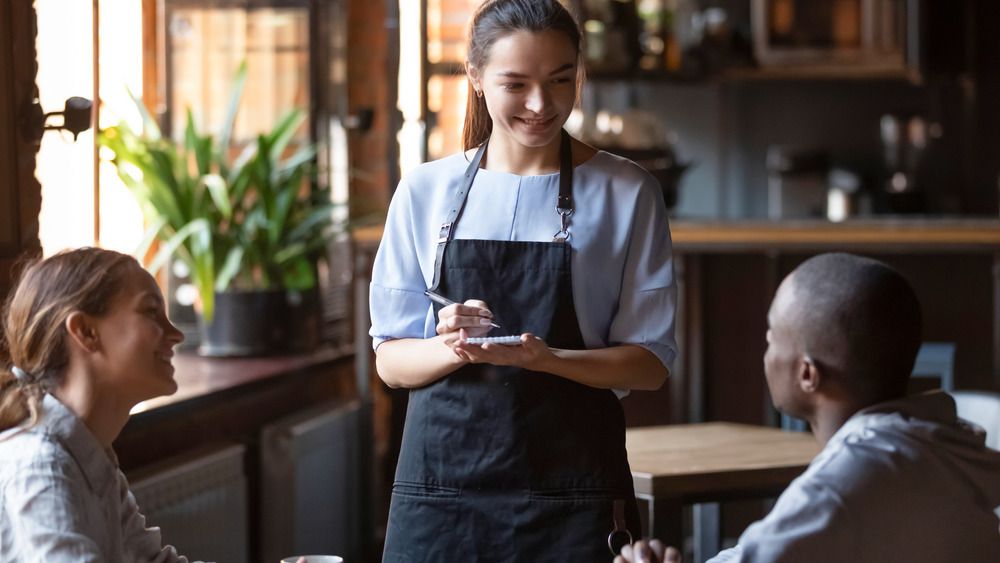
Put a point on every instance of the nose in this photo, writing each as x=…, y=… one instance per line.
x=173, y=334
x=538, y=100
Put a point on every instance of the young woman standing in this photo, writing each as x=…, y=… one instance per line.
x=517, y=452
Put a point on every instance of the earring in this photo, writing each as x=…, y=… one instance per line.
x=479, y=93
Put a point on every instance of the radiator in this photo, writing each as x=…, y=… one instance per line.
x=199, y=502
x=312, y=489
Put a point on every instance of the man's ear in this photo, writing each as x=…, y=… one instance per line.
x=809, y=376
x=82, y=332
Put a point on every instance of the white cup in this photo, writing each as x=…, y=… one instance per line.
x=314, y=559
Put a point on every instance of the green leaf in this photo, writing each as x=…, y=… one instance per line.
x=149, y=127
x=232, y=106
x=194, y=228
x=149, y=236
x=230, y=268
x=219, y=191
x=300, y=276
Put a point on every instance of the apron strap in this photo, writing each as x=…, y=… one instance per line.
x=564, y=205
x=457, y=204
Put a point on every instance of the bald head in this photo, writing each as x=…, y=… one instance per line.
x=860, y=319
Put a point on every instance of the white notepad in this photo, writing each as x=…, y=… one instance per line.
x=506, y=340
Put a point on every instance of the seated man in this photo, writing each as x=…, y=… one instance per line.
x=899, y=478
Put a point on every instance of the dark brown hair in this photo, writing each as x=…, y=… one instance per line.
x=34, y=321
x=494, y=20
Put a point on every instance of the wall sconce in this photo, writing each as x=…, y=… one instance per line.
x=76, y=118
x=360, y=121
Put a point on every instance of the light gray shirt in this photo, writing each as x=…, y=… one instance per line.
x=623, y=280
x=65, y=500
x=900, y=481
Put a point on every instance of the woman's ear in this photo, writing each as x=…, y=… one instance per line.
x=473, y=75
x=82, y=332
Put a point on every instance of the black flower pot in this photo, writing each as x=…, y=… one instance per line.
x=261, y=323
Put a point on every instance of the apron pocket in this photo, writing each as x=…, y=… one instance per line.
x=423, y=526
x=424, y=491
x=580, y=521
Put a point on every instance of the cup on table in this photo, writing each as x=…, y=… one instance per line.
x=314, y=559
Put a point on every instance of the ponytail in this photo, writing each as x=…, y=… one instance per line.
x=478, y=124
x=19, y=400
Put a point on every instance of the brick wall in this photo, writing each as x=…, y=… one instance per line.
x=368, y=87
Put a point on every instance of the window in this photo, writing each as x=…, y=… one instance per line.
x=77, y=210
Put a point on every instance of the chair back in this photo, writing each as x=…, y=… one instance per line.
x=982, y=408
x=936, y=360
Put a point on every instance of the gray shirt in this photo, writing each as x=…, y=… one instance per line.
x=65, y=500
x=900, y=481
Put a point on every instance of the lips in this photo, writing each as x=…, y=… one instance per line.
x=165, y=358
x=537, y=123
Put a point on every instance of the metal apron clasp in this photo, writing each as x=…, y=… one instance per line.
x=563, y=234
x=620, y=535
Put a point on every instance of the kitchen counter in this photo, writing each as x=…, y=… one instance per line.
x=902, y=234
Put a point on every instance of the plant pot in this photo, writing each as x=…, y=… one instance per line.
x=261, y=323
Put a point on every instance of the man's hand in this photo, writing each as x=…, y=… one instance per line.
x=648, y=552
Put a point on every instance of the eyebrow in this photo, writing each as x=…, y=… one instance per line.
x=560, y=70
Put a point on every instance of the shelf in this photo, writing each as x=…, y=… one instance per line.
x=762, y=74
x=893, y=234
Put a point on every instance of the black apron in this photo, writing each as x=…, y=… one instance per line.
x=503, y=464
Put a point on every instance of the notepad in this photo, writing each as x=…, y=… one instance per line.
x=505, y=340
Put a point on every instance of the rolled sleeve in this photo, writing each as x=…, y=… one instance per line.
x=397, y=313
x=646, y=318
x=645, y=315
x=397, y=303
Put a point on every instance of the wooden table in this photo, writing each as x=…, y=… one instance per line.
x=703, y=464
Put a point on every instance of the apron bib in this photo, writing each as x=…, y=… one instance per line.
x=500, y=463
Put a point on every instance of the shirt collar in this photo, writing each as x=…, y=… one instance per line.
x=99, y=466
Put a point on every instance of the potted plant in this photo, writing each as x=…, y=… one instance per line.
x=250, y=228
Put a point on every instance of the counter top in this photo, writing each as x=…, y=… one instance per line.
x=884, y=234
x=199, y=376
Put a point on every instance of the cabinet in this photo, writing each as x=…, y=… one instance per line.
x=252, y=419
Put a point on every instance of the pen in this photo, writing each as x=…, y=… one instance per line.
x=445, y=301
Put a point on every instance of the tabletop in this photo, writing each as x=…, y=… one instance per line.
x=715, y=458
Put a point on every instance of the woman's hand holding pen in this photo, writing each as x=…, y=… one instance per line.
x=473, y=316
x=460, y=321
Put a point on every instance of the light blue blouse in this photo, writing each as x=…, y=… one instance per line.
x=623, y=280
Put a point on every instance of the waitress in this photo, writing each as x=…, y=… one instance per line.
x=517, y=452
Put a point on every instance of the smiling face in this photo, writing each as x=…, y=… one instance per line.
x=136, y=341
x=529, y=84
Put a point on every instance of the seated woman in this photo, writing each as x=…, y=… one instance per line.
x=88, y=335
